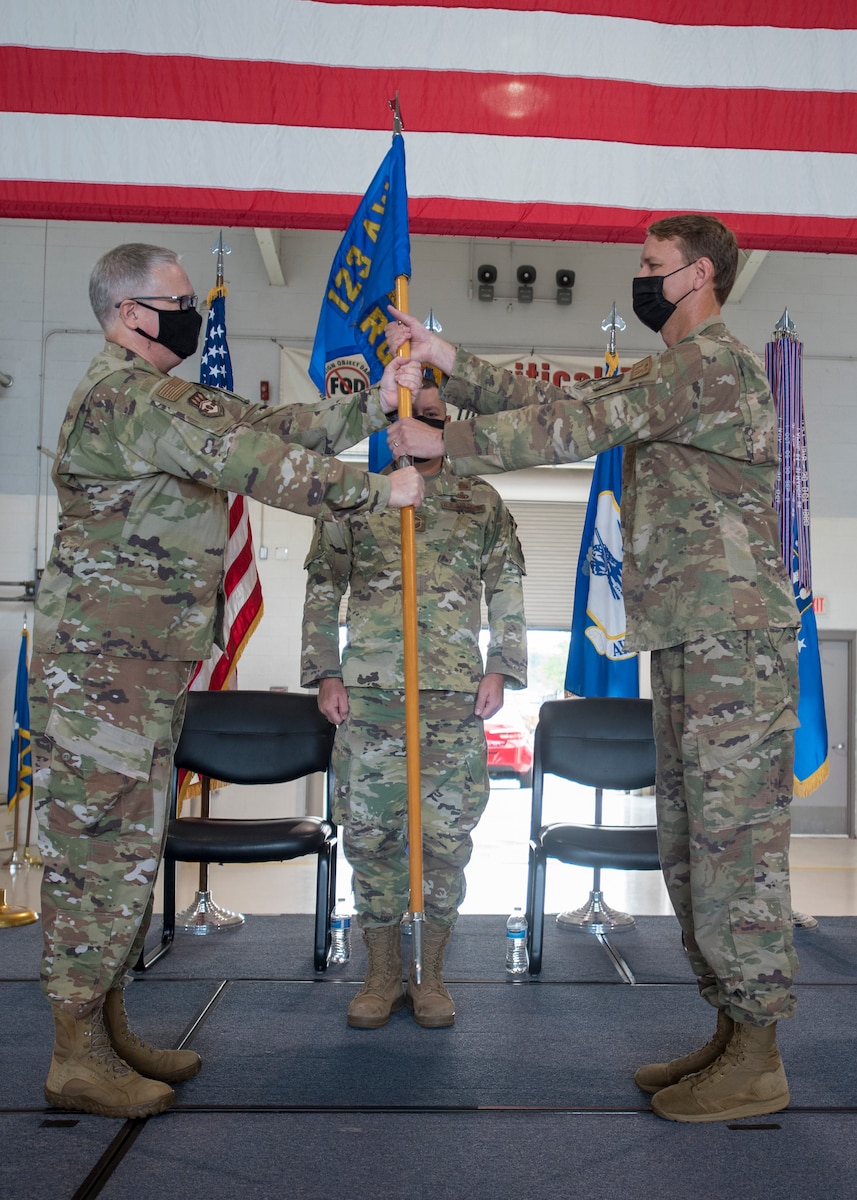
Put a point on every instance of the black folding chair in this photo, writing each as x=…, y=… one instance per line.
x=251, y=738
x=602, y=743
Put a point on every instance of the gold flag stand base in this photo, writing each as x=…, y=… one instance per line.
x=11, y=916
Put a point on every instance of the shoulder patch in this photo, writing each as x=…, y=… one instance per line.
x=207, y=405
x=174, y=388
x=641, y=368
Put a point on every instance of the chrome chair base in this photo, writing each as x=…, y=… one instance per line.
x=206, y=916
x=596, y=917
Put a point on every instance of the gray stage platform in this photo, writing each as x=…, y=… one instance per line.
x=530, y=1093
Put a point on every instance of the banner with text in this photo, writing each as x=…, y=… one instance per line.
x=352, y=373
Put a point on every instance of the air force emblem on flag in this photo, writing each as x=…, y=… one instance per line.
x=605, y=609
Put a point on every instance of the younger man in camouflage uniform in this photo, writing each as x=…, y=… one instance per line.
x=706, y=591
x=131, y=598
x=465, y=539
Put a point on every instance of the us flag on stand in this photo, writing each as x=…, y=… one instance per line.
x=243, y=592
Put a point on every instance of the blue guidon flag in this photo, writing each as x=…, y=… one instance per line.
x=374, y=251
x=20, y=786
x=598, y=663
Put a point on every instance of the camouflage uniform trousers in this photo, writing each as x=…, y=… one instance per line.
x=370, y=801
x=103, y=735
x=724, y=717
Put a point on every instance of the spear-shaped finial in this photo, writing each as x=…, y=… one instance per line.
x=220, y=248
x=397, y=116
x=611, y=324
x=432, y=324
x=785, y=327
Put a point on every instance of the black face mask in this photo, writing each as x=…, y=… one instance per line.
x=649, y=302
x=435, y=423
x=177, y=330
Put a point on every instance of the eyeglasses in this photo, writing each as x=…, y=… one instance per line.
x=184, y=302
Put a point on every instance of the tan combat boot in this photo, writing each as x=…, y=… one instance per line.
x=382, y=993
x=432, y=1004
x=747, y=1080
x=169, y=1066
x=87, y=1075
x=655, y=1076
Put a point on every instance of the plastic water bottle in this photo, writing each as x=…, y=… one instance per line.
x=340, y=934
x=517, y=957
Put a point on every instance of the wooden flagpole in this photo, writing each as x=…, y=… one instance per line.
x=412, y=677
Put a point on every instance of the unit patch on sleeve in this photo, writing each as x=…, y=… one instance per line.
x=207, y=405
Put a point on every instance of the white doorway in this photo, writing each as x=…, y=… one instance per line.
x=829, y=811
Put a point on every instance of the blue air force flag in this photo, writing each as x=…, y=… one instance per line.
x=812, y=764
x=598, y=664
x=20, y=783
x=374, y=251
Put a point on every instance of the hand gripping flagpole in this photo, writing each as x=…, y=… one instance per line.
x=409, y=637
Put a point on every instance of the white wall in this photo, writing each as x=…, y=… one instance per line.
x=48, y=335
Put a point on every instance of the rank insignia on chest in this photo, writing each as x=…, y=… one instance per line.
x=419, y=523
x=207, y=405
x=464, y=506
x=640, y=368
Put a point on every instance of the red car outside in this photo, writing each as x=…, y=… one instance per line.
x=510, y=752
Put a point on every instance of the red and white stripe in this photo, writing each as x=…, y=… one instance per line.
x=243, y=602
x=581, y=119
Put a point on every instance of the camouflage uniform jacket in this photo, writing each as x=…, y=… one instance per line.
x=143, y=467
x=465, y=539
x=698, y=423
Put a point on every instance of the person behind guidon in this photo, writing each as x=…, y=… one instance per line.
x=131, y=597
x=706, y=591
x=465, y=541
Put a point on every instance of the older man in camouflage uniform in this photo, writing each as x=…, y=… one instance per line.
x=130, y=599
x=465, y=540
x=706, y=591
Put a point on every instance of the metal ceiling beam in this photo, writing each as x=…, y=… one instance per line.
x=747, y=273
x=269, y=247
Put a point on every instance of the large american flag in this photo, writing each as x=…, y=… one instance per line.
x=565, y=119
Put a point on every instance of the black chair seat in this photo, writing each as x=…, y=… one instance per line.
x=251, y=737
x=625, y=847
x=192, y=839
x=600, y=742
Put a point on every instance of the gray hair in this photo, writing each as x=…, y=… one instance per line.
x=123, y=272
